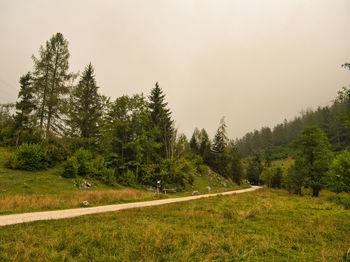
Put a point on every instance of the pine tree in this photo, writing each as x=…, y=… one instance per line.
x=86, y=107
x=161, y=117
x=194, y=141
x=220, y=139
x=26, y=105
x=205, y=147
x=52, y=82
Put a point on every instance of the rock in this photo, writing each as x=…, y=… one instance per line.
x=84, y=203
x=84, y=185
x=208, y=188
x=195, y=193
x=224, y=184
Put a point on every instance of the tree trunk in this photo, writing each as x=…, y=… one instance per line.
x=315, y=191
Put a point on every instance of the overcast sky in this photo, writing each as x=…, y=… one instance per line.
x=255, y=62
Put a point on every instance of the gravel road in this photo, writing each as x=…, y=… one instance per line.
x=59, y=214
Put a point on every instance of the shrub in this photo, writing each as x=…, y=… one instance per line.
x=84, y=158
x=12, y=162
x=54, y=154
x=108, y=176
x=340, y=199
x=30, y=157
x=70, y=167
x=345, y=201
x=267, y=176
x=339, y=175
x=126, y=177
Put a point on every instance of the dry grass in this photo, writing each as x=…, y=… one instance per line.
x=25, y=203
x=265, y=225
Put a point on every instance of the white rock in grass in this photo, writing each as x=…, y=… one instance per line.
x=84, y=203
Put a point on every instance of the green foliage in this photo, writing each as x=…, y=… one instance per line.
x=339, y=175
x=51, y=81
x=70, y=167
x=30, y=157
x=83, y=164
x=220, y=140
x=86, y=107
x=267, y=225
x=313, y=157
x=341, y=199
x=267, y=176
x=84, y=158
x=126, y=177
x=161, y=117
x=295, y=179
x=254, y=168
x=54, y=153
x=277, y=178
x=272, y=177
x=24, y=118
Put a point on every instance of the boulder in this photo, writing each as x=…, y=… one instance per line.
x=84, y=185
x=84, y=203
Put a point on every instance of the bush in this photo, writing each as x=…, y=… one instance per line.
x=54, y=154
x=11, y=161
x=70, y=167
x=30, y=157
x=108, y=176
x=126, y=178
x=340, y=199
x=339, y=174
x=345, y=201
x=84, y=158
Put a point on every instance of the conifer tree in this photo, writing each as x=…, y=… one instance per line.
x=220, y=139
x=26, y=104
x=194, y=141
x=52, y=82
x=161, y=117
x=86, y=106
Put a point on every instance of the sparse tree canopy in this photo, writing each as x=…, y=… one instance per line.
x=51, y=80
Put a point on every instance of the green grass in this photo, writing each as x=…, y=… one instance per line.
x=266, y=225
x=24, y=191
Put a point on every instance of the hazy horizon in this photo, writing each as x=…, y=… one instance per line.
x=254, y=62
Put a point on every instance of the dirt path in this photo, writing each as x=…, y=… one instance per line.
x=58, y=214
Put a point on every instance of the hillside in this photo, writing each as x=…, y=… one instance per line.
x=23, y=191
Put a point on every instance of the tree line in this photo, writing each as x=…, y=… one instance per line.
x=61, y=117
x=274, y=141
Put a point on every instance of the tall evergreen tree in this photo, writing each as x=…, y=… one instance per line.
x=255, y=168
x=86, y=106
x=220, y=140
x=195, y=141
x=52, y=82
x=26, y=104
x=161, y=117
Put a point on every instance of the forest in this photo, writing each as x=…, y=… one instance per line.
x=61, y=119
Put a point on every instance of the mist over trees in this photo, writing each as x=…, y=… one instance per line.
x=61, y=118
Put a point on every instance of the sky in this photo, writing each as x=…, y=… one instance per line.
x=254, y=62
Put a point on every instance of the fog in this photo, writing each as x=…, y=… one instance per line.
x=254, y=62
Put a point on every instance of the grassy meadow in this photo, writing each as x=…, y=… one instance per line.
x=265, y=225
x=24, y=191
